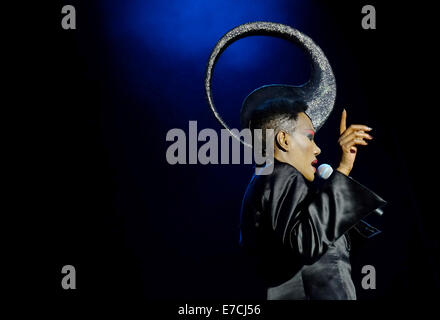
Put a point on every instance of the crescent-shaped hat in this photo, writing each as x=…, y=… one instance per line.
x=319, y=93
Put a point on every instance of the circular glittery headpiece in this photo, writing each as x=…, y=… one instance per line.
x=319, y=92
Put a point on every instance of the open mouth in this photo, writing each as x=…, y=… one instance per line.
x=314, y=163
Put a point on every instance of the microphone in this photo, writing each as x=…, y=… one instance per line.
x=325, y=171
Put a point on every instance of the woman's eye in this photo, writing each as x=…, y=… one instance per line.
x=310, y=137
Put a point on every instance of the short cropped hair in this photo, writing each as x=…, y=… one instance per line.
x=279, y=114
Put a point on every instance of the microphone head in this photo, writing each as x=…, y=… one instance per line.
x=325, y=171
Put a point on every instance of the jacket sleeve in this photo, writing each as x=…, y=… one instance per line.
x=309, y=223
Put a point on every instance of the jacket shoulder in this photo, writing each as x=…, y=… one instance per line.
x=281, y=178
x=281, y=171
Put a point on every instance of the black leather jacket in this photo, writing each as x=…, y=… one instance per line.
x=296, y=233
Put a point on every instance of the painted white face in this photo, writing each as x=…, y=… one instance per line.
x=303, y=149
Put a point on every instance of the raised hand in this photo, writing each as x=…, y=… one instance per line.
x=348, y=140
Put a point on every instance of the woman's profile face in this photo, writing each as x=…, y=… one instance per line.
x=303, y=150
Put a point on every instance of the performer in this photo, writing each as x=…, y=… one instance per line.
x=298, y=233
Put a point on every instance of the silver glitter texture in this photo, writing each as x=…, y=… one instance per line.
x=319, y=91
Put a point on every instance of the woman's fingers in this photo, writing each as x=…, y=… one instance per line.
x=350, y=146
x=360, y=127
x=343, y=124
x=354, y=135
x=357, y=141
x=353, y=128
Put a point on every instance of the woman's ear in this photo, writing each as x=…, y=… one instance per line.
x=282, y=141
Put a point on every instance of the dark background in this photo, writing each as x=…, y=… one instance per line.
x=136, y=227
